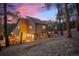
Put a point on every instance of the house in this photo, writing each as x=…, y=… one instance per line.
x=30, y=29
x=36, y=26
x=40, y=29
x=49, y=29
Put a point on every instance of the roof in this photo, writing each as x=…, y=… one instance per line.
x=35, y=20
x=24, y=20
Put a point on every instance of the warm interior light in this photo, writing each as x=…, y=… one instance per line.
x=12, y=33
x=30, y=37
x=43, y=27
x=30, y=27
x=49, y=32
x=24, y=35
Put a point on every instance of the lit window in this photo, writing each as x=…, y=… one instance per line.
x=43, y=27
x=49, y=32
x=30, y=27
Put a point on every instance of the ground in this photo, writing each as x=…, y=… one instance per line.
x=56, y=46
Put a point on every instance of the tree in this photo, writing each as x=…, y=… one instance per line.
x=59, y=19
x=4, y=11
x=5, y=25
x=67, y=20
x=77, y=20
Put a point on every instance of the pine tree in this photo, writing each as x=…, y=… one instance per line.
x=59, y=19
x=77, y=20
x=67, y=20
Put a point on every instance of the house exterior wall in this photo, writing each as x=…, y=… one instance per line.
x=30, y=30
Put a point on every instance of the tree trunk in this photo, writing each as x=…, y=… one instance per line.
x=59, y=19
x=5, y=25
x=67, y=21
x=77, y=20
x=21, y=38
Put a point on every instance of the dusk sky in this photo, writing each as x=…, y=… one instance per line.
x=37, y=10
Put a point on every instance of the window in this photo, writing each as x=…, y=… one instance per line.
x=30, y=27
x=43, y=27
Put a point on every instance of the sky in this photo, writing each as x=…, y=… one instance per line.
x=37, y=10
